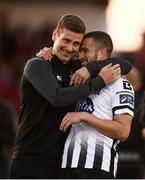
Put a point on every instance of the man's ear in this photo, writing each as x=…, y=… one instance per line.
x=54, y=35
x=102, y=53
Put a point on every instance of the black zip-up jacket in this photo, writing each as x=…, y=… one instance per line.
x=46, y=98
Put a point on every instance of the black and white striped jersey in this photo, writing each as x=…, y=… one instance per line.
x=86, y=147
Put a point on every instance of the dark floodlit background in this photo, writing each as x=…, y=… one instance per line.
x=26, y=27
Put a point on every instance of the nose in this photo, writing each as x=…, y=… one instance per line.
x=82, y=55
x=70, y=48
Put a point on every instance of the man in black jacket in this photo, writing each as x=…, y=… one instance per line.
x=46, y=98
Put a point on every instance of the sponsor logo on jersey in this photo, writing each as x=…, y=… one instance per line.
x=126, y=98
x=86, y=105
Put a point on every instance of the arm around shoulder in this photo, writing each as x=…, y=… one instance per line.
x=38, y=72
x=95, y=66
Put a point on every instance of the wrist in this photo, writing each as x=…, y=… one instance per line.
x=85, y=116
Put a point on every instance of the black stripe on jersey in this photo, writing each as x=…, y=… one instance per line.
x=98, y=155
x=83, y=154
x=70, y=153
x=122, y=107
x=113, y=154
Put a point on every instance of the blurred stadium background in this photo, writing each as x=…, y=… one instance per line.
x=26, y=27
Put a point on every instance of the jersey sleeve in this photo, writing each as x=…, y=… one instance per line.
x=38, y=72
x=123, y=97
x=95, y=66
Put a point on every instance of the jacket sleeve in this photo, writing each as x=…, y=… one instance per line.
x=95, y=67
x=38, y=73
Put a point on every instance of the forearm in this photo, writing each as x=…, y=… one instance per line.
x=110, y=128
x=69, y=95
x=95, y=67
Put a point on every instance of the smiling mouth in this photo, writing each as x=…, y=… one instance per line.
x=66, y=54
x=83, y=60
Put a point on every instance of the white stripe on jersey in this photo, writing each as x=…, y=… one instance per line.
x=124, y=110
x=115, y=160
x=106, y=157
x=64, y=157
x=90, y=152
x=76, y=153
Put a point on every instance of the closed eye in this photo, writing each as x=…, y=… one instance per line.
x=66, y=40
x=84, y=50
x=76, y=43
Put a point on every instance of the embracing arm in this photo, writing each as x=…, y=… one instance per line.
x=38, y=72
x=95, y=66
x=82, y=74
x=118, y=128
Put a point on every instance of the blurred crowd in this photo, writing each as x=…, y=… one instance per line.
x=16, y=46
x=21, y=43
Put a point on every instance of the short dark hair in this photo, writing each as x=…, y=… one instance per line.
x=71, y=22
x=103, y=38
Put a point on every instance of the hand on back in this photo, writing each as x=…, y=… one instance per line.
x=45, y=53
